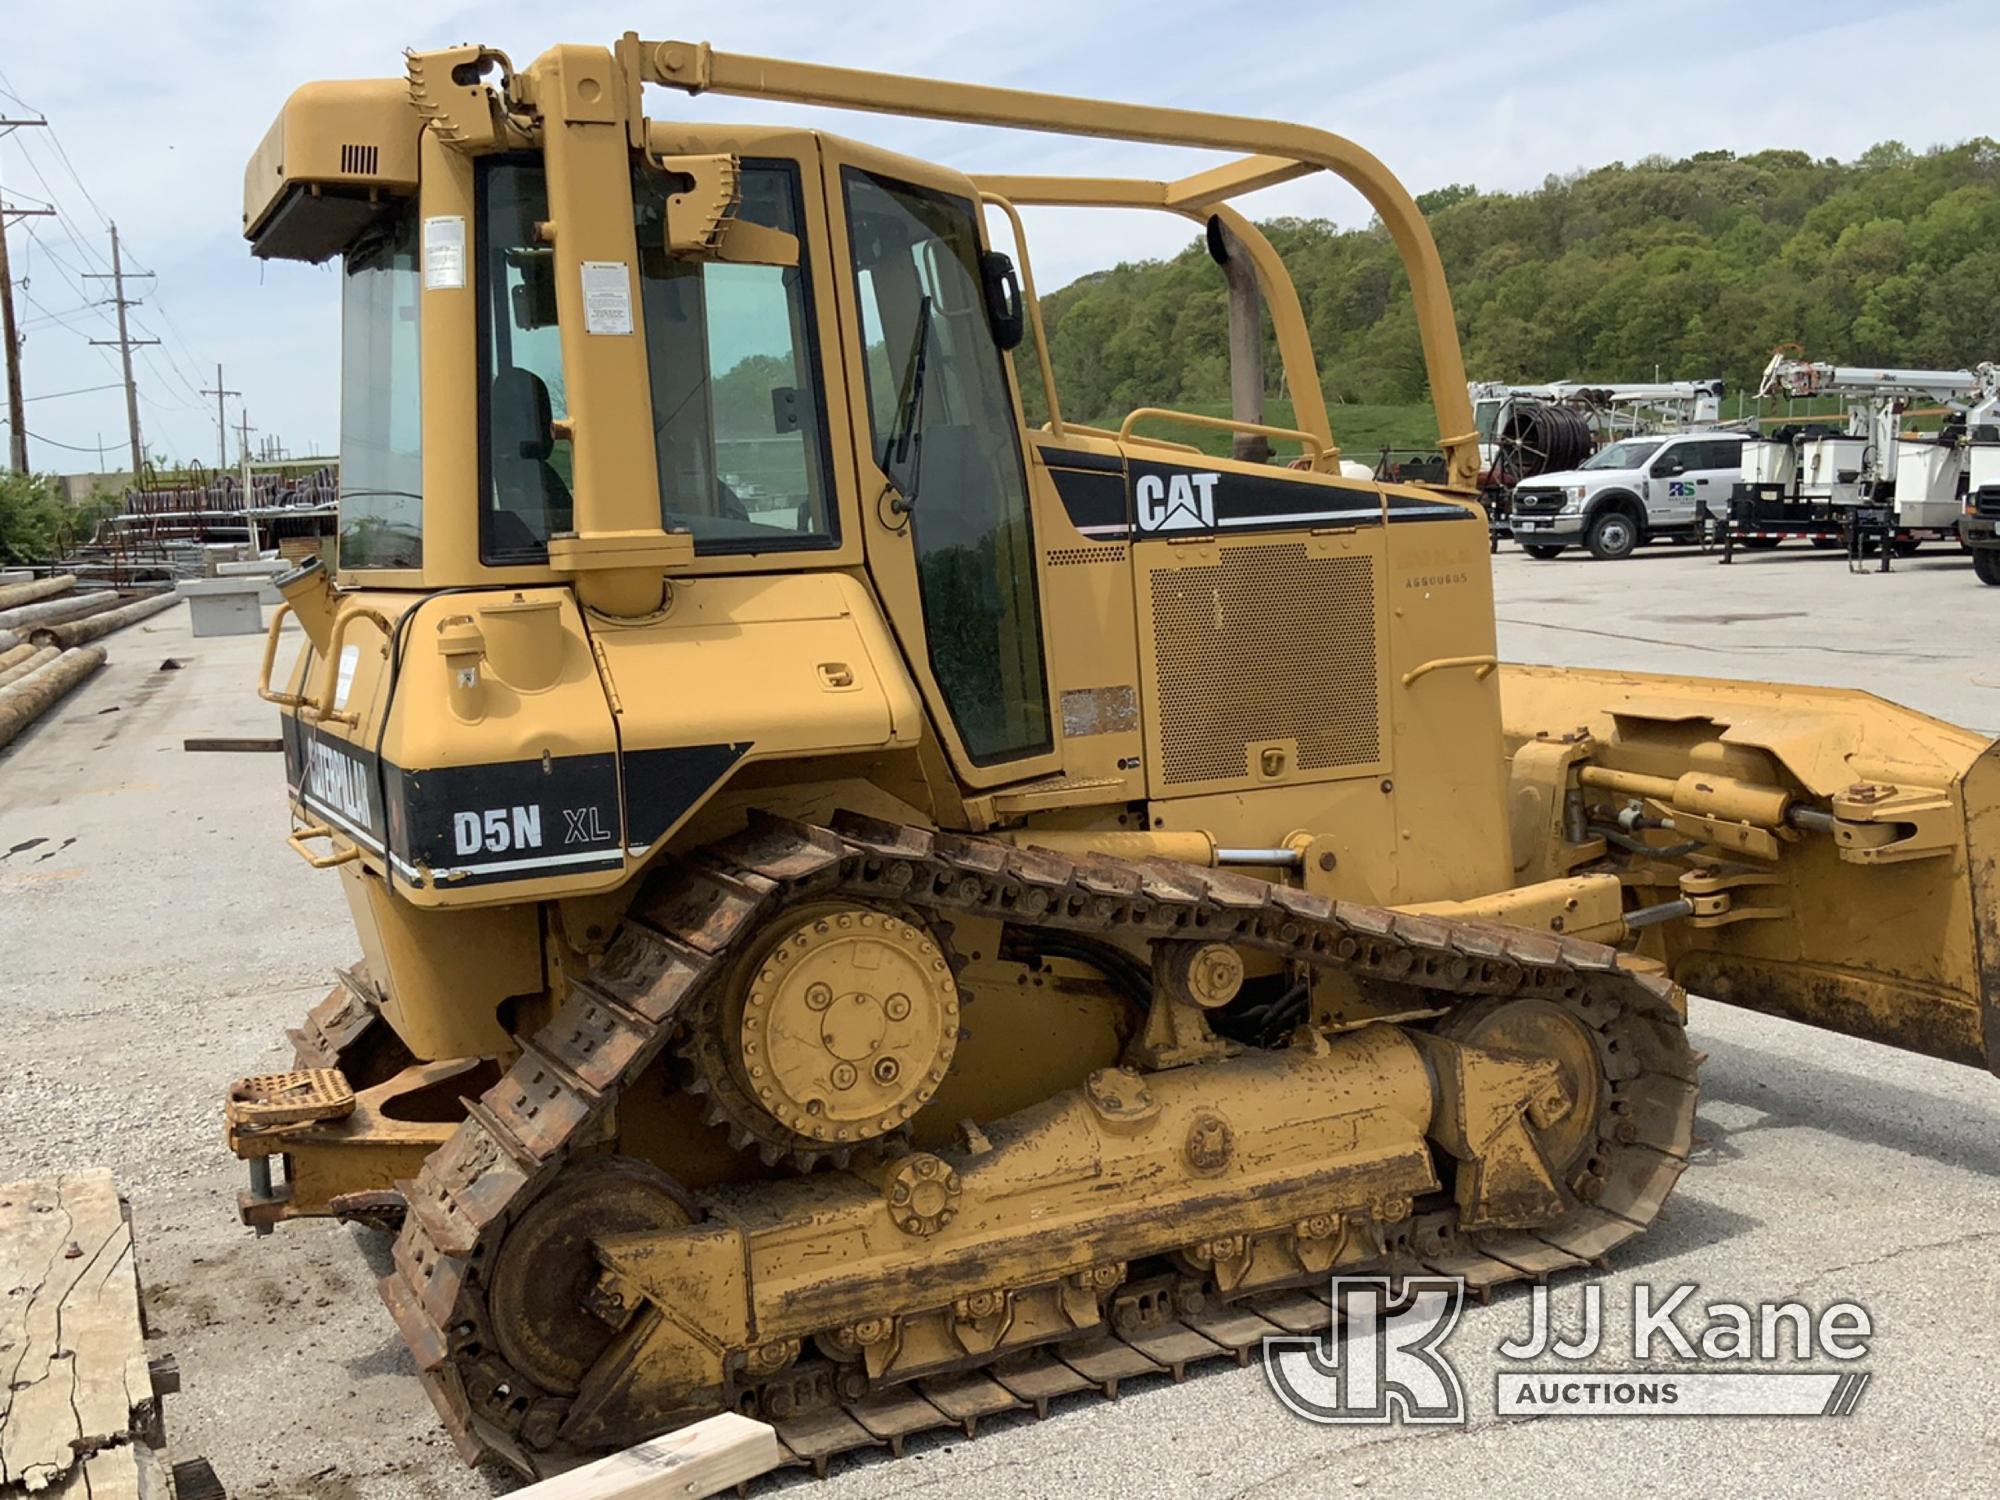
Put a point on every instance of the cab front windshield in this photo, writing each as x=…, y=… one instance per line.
x=1629, y=455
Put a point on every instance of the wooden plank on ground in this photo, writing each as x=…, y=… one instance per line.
x=128, y=1472
x=712, y=1455
x=71, y=1345
x=228, y=743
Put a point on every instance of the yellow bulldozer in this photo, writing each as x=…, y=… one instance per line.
x=872, y=911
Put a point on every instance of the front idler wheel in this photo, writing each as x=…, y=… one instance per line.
x=539, y=1295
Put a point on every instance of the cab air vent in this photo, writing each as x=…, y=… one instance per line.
x=360, y=161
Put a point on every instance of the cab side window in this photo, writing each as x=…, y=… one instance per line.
x=738, y=417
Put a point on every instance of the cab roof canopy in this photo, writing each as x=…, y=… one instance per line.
x=335, y=157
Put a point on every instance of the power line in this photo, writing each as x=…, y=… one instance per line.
x=71, y=447
x=174, y=366
x=82, y=390
x=46, y=315
x=56, y=141
x=68, y=225
x=175, y=349
x=73, y=279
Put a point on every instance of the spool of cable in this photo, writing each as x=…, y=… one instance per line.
x=1535, y=438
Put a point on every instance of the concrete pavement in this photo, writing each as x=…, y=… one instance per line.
x=160, y=937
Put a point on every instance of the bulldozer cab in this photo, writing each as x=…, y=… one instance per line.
x=583, y=346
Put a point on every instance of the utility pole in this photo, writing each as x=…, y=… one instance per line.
x=10, y=336
x=221, y=422
x=126, y=344
x=249, y=489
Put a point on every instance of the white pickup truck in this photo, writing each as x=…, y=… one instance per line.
x=1636, y=490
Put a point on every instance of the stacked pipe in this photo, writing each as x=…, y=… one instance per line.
x=17, y=595
x=41, y=588
x=27, y=699
x=18, y=663
x=77, y=632
x=23, y=617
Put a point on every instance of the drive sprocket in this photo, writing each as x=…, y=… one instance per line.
x=835, y=1029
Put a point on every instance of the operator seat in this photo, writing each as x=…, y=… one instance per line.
x=530, y=501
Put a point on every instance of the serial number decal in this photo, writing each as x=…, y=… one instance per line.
x=1433, y=580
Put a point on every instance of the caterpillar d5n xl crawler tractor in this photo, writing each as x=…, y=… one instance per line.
x=875, y=912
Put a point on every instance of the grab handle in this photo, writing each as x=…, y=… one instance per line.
x=283, y=700
x=322, y=708
x=1482, y=667
x=298, y=839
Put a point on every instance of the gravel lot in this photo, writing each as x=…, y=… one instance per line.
x=159, y=937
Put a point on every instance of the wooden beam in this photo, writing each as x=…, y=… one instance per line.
x=713, y=1455
x=227, y=743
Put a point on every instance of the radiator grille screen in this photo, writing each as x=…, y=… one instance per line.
x=1070, y=557
x=1270, y=643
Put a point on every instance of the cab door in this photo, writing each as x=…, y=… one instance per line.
x=1670, y=486
x=946, y=514
x=1716, y=466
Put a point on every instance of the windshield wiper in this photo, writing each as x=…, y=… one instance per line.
x=905, y=435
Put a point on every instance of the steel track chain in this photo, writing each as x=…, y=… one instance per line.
x=681, y=934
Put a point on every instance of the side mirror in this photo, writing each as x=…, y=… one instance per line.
x=534, y=299
x=1003, y=299
x=1666, y=468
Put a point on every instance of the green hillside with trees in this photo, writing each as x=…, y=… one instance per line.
x=1697, y=267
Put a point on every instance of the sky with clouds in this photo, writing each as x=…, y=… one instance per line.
x=156, y=107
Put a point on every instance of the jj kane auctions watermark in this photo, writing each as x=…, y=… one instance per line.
x=1383, y=1359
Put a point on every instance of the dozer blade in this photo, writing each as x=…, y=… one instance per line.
x=1839, y=856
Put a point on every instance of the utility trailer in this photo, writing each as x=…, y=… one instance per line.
x=1863, y=484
